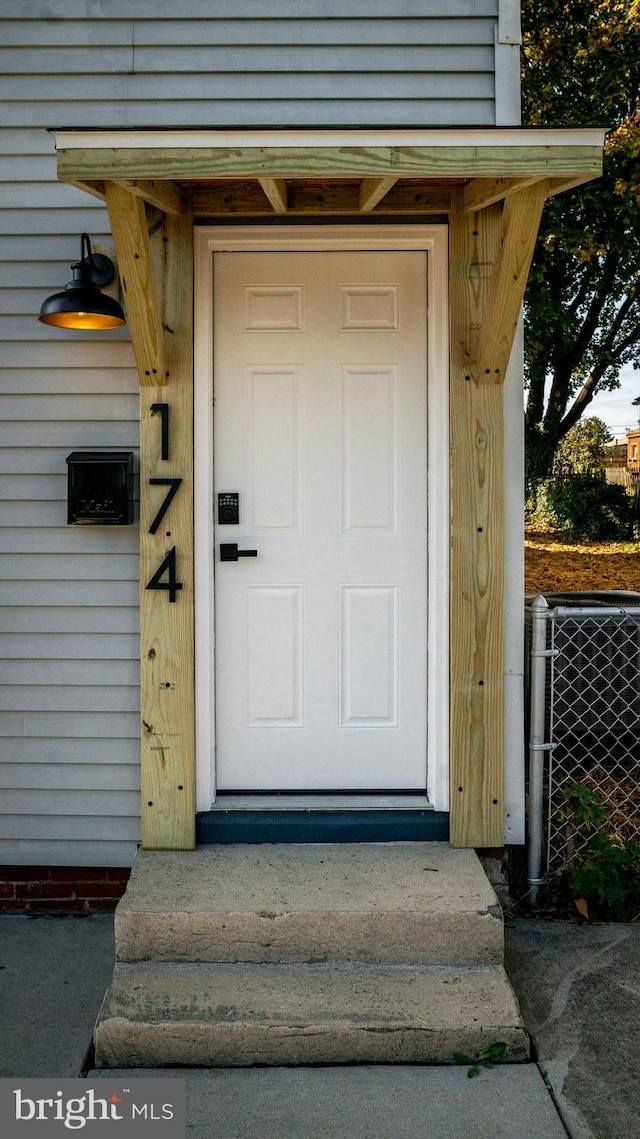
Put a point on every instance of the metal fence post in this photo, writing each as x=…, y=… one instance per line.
x=537, y=744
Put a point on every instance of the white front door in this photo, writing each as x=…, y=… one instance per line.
x=320, y=429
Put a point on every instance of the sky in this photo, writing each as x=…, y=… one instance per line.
x=615, y=407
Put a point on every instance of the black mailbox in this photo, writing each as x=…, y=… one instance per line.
x=100, y=488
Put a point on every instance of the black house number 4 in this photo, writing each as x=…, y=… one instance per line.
x=168, y=565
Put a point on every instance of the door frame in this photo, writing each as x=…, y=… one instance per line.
x=433, y=241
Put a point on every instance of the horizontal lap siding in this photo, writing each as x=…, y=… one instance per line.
x=69, y=719
x=288, y=64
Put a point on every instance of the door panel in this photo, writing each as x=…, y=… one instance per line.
x=320, y=426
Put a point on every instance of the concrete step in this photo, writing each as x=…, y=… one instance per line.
x=222, y=1015
x=396, y=903
x=333, y=953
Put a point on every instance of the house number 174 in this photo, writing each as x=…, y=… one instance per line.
x=168, y=565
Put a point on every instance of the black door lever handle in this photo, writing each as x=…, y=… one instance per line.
x=229, y=552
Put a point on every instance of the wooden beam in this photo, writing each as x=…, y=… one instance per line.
x=167, y=626
x=96, y=189
x=321, y=196
x=337, y=162
x=559, y=185
x=130, y=233
x=484, y=192
x=518, y=231
x=477, y=548
x=243, y=198
x=276, y=191
x=372, y=191
x=164, y=196
x=415, y=198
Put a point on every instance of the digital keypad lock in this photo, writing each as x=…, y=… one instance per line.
x=228, y=508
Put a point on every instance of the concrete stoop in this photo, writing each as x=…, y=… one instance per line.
x=307, y=954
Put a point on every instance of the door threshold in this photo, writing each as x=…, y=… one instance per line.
x=290, y=817
x=304, y=801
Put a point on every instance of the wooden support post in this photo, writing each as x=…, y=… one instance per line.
x=477, y=547
x=129, y=227
x=167, y=608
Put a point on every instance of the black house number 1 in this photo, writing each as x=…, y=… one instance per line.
x=168, y=565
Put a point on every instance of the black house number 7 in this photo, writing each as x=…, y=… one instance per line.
x=168, y=564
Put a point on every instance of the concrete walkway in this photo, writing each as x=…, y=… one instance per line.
x=579, y=993
x=579, y=987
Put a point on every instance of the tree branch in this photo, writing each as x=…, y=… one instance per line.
x=581, y=295
x=568, y=359
x=617, y=323
x=582, y=400
x=630, y=339
x=594, y=312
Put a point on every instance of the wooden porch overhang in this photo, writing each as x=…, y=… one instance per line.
x=199, y=158
x=491, y=186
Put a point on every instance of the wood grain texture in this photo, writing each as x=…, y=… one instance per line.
x=319, y=196
x=482, y=192
x=276, y=191
x=559, y=185
x=477, y=548
x=167, y=628
x=163, y=195
x=187, y=163
x=372, y=191
x=501, y=310
x=130, y=233
x=96, y=189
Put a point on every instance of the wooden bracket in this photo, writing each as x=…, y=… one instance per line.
x=372, y=191
x=559, y=185
x=95, y=188
x=518, y=231
x=276, y=191
x=483, y=192
x=164, y=196
x=129, y=227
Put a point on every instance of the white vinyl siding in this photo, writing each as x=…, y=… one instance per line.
x=69, y=719
x=204, y=63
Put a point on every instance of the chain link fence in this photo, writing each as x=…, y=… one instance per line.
x=585, y=728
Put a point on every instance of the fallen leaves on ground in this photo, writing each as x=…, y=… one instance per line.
x=555, y=563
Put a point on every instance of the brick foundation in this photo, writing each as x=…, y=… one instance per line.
x=61, y=889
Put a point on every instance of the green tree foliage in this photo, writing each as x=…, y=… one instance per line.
x=581, y=67
x=583, y=506
x=576, y=497
x=581, y=452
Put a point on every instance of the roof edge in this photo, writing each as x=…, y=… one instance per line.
x=177, y=139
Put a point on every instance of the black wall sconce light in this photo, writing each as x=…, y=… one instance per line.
x=81, y=304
